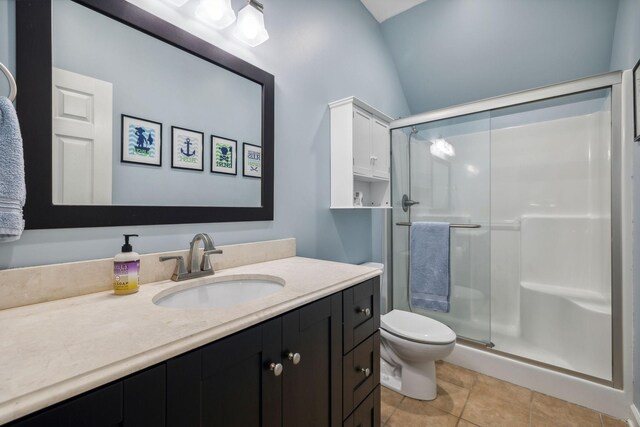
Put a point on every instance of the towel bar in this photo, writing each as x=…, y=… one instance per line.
x=408, y=224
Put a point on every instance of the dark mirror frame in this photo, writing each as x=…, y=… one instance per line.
x=33, y=66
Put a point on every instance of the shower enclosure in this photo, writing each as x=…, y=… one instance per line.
x=530, y=185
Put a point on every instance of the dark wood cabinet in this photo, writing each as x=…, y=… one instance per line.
x=223, y=383
x=97, y=408
x=293, y=370
x=368, y=413
x=312, y=377
x=144, y=398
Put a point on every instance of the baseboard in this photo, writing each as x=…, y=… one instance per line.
x=634, y=421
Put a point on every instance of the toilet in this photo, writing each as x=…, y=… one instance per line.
x=410, y=346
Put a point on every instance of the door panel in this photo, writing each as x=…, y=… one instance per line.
x=380, y=148
x=82, y=139
x=361, y=142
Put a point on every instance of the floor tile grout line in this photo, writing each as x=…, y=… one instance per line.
x=395, y=409
x=531, y=408
x=475, y=378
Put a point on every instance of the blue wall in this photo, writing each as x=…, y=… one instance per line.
x=626, y=42
x=624, y=55
x=453, y=51
x=319, y=51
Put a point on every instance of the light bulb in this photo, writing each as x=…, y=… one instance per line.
x=250, y=27
x=217, y=13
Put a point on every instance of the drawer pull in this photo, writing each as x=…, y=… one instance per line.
x=365, y=371
x=294, y=357
x=365, y=311
x=276, y=368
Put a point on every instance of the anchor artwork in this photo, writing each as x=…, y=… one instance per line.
x=187, y=148
x=141, y=141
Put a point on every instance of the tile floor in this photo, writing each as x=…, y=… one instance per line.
x=467, y=399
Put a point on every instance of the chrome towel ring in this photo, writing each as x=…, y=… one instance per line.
x=13, y=87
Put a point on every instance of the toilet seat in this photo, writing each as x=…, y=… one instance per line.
x=417, y=328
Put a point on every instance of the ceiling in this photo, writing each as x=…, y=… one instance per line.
x=385, y=9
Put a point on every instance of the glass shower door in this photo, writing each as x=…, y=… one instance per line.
x=441, y=172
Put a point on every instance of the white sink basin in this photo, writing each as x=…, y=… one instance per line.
x=220, y=293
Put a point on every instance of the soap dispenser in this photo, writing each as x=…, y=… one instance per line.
x=126, y=269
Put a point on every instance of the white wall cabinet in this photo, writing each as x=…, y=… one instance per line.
x=360, y=154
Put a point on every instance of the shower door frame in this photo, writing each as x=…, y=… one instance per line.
x=613, y=81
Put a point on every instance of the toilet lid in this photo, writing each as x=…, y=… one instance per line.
x=416, y=327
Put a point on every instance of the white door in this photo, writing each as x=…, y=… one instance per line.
x=82, y=139
x=380, y=148
x=361, y=143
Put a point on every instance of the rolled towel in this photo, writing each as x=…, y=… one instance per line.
x=13, y=191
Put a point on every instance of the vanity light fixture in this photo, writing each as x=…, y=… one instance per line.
x=217, y=13
x=250, y=26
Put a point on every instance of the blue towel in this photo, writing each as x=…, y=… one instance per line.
x=429, y=268
x=13, y=192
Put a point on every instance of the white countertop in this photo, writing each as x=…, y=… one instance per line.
x=55, y=350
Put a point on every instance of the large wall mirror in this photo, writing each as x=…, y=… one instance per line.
x=129, y=120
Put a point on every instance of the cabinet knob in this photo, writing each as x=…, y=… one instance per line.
x=365, y=311
x=276, y=368
x=294, y=357
x=365, y=371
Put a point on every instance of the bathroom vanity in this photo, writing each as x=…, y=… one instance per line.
x=307, y=355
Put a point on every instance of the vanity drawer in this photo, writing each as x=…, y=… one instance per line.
x=361, y=312
x=368, y=413
x=357, y=385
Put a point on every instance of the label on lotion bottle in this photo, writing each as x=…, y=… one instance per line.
x=125, y=276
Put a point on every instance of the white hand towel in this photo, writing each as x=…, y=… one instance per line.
x=13, y=191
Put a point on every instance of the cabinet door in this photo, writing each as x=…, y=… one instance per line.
x=97, y=408
x=380, y=148
x=311, y=388
x=144, y=398
x=228, y=382
x=361, y=142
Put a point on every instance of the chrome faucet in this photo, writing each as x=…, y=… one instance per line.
x=196, y=268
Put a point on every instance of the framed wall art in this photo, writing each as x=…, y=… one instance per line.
x=187, y=149
x=252, y=160
x=224, y=155
x=141, y=141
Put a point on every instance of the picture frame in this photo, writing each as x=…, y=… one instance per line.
x=251, y=160
x=141, y=141
x=224, y=155
x=636, y=101
x=187, y=149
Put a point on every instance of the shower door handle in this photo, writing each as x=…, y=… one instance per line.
x=407, y=203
